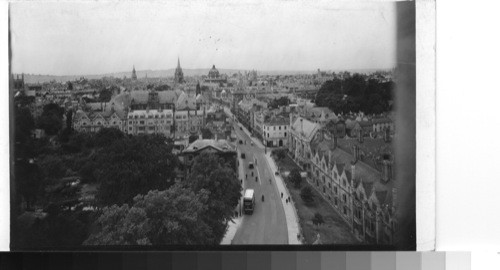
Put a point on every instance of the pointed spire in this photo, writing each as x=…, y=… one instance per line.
x=178, y=62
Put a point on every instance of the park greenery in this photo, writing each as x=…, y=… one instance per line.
x=307, y=195
x=356, y=93
x=278, y=102
x=137, y=200
x=295, y=178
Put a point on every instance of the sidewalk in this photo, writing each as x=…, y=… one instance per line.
x=290, y=211
x=256, y=141
x=231, y=231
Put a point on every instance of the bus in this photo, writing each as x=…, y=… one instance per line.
x=249, y=201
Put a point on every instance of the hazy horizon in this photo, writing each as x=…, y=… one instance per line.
x=95, y=38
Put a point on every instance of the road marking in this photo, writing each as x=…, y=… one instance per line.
x=258, y=174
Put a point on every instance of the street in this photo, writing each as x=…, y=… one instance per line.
x=267, y=225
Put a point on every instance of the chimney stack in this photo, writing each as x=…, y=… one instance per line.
x=386, y=170
x=353, y=170
x=360, y=135
x=355, y=151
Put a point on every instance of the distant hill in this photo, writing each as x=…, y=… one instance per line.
x=34, y=78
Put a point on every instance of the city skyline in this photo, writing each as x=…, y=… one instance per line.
x=102, y=38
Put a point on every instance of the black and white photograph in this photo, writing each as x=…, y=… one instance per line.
x=212, y=124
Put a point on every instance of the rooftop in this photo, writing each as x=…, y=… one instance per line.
x=219, y=145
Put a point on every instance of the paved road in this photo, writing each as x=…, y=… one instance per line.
x=267, y=225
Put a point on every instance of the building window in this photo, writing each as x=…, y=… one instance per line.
x=344, y=198
x=280, y=128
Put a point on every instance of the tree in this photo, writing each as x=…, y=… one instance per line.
x=24, y=124
x=105, y=95
x=51, y=118
x=106, y=136
x=295, y=178
x=52, y=166
x=307, y=195
x=318, y=219
x=163, y=87
x=28, y=181
x=169, y=217
x=212, y=174
x=132, y=166
x=58, y=229
x=279, y=154
x=206, y=133
x=193, y=138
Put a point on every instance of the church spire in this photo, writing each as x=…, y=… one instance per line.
x=178, y=62
x=134, y=75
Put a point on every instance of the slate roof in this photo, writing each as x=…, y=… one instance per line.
x=306, y=128
x=220, y=145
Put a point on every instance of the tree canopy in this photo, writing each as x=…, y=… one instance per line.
x=295, y=178
x=280, y=102
x=211, y=174
x=132, y=166
x=51, y=119
x=356, y=93
x=169, y=217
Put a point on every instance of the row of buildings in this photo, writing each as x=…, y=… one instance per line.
x=171, y=113
x=348, y=159
x=354, y=174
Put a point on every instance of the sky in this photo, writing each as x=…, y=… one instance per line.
x=86, y=38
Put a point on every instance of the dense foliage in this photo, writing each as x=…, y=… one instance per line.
x=280, y=102
x=307, y=195
x=356, y=93
x=169, y=217
x=295, y=178
x=209, y=173
x=51, y=119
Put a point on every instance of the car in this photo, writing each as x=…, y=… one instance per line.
x=241, y=128
x=243, y=155
x=251, y=143
x=241, y=142
x=277, y=173
x=250, y=165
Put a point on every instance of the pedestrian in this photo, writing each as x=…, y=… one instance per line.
x=286, y=201
x=282, y=195
x=241, y=181
x=252, y=173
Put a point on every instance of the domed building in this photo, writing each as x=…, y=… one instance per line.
x=214, y=76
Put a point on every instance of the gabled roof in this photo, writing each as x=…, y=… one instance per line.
x=219, y=145
x=305, y=127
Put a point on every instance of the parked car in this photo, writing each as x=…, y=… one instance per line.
x=241, y=142
x=243, y=155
